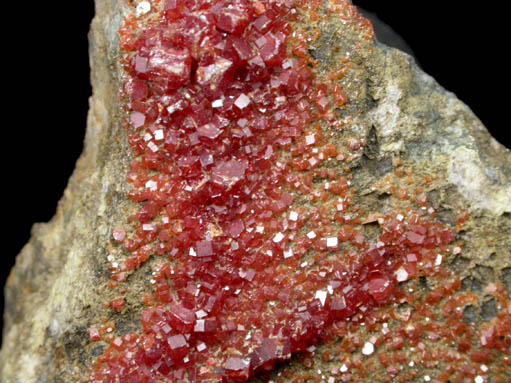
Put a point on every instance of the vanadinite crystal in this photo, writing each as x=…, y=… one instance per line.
x=258, y=260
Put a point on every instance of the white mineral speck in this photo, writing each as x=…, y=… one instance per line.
x=242, y=101
x=438, y=260
x=288, y=253
x=278, y=237
x=368, y=348
x=321, y=295
x=199, y=325
x=153, y=146
x=217, y=103
x=201, y=314
x=401, y=274
x=331, y=242
x=143, y=8
x=158, y=134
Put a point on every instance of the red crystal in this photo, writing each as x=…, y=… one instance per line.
x=204, y=249
x=137, y=119
x=174, y=65
x=215, y=74
x=271, y=48
x=415, y=238
x=117, y=304
x=232, y=18
x=119, y=234
x=379, y=287
x=229, y=172
x=237, y=367
x=94, y=334
x=176, y=341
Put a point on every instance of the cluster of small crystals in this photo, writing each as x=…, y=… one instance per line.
x=423, y=336
x=259, y=260
x=419, y=340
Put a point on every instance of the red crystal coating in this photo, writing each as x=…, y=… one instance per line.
x=259, y=260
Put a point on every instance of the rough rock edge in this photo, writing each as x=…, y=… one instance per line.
x=48, y=307
x=478, y=165
x=48, y=291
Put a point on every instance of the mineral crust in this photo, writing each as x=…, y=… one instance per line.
x=266, y=194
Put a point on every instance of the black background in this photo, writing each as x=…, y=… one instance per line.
x=45, y=61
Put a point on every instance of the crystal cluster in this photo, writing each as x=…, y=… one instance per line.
x=258, y=259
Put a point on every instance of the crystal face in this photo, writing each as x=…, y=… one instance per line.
x=243, y=200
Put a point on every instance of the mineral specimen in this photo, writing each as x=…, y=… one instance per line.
x=268, y=186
